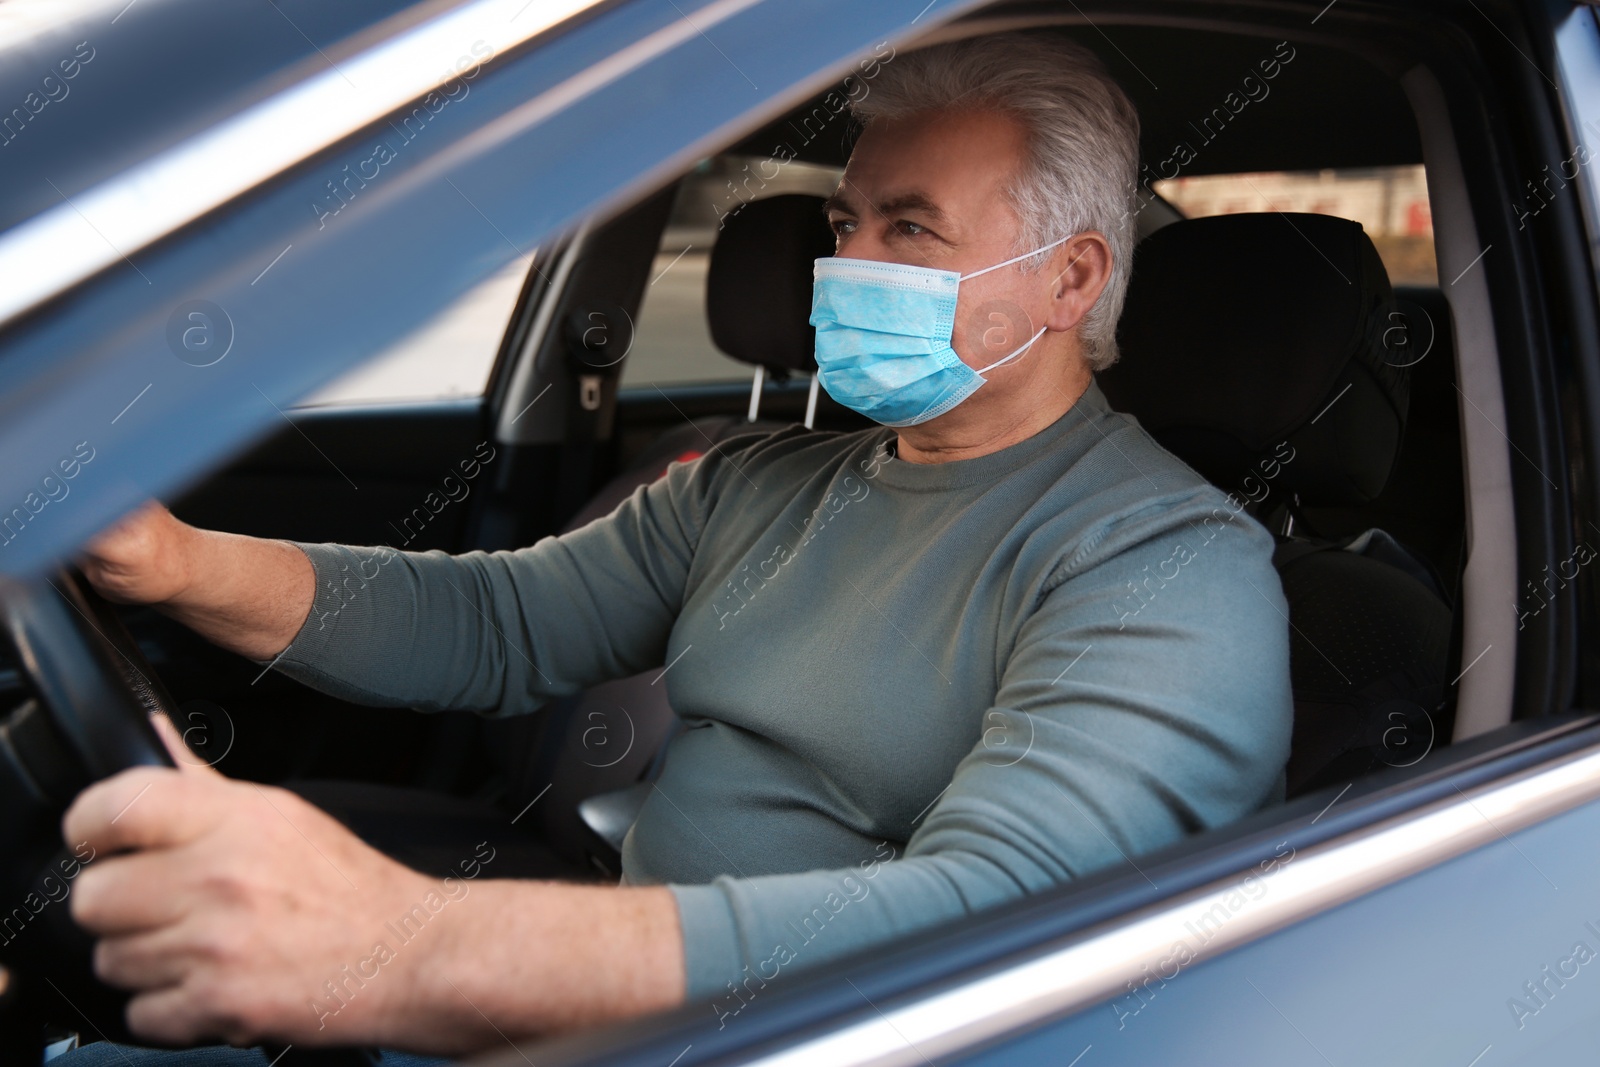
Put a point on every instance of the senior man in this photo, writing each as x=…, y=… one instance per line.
x=1001, y=642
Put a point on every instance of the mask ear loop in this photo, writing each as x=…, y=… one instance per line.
x=1018, y=259
x=1015, y=354
x=1007, y=263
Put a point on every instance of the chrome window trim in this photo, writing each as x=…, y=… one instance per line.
x=342, y=410
x=99, y=227
x=1102, y=963
x=25, y=22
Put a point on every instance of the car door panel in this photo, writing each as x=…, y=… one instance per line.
x=1423, y=971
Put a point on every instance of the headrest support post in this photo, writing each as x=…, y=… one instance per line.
x=756, y=383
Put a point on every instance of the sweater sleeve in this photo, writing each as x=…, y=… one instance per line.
x=1122, y=722
x=503, y=632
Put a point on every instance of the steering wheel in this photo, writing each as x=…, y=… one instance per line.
x=88, y=718
x=94, y=690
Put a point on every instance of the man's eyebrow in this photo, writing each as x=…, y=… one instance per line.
x=903, y=202
x=836, y=203
x=912, y=202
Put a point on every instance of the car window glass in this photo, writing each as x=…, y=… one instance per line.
x=1391, y=203
x=448, y=356
x=672, y=343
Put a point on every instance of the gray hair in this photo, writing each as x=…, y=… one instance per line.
x=1083, y=135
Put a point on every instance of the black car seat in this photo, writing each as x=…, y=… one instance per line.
x=1424, y=502
x=1253, y=348
x=593, y=757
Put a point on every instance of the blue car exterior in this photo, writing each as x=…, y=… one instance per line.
x=1448, y=913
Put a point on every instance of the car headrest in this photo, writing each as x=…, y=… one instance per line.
x=758, y=286
x=1250, y=338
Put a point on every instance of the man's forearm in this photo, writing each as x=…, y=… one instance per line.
x=535, y=958
x=247, y=594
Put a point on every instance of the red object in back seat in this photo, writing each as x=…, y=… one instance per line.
x=682, y=457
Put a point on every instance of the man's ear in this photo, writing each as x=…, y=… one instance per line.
x=1078, y=271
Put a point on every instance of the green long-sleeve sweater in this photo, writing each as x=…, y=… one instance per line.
x=912, y=691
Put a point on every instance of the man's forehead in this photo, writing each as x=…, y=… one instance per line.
x=939, y=161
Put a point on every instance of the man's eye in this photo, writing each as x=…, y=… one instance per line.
x=911, y=229
x=842, y=226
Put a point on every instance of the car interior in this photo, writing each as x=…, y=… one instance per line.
x=1299, y=360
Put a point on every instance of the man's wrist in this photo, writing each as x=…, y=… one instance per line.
x=515, y=959
x=457, y=995
x=185, y=557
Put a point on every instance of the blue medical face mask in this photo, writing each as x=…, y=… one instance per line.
x=884, y=333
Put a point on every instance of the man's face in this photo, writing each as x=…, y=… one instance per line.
x=929, y=190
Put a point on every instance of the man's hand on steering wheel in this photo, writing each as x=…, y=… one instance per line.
x=263, y=899
x=239, y=911
x=144, y=559
x=247, y=594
